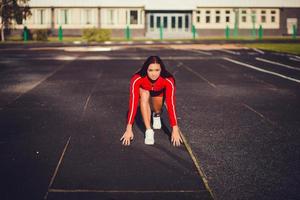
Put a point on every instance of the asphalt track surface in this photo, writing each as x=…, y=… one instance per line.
x=63, y=111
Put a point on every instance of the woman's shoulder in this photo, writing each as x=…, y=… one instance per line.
x=171, y=78
x=135, y=77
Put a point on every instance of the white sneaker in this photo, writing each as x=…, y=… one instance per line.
x=149, y=137
x=156, y=121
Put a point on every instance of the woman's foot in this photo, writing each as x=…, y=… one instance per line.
x=149, y=137
x=156, y=121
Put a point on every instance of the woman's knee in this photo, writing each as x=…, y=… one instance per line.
x=144, y=96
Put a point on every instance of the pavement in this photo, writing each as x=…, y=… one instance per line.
x=63, y=111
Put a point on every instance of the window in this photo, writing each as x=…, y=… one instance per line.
x=227, y=11
x=41, y=16
x=244, y=11
x=263, y=12
x=110, y=17
x=227, y=19
x=151, y=21
x=173, y=21
x=64, y=16
x=207, y=19
x=186, y=21
x=165, y=22
x=179, y=22
x=87, y=16
x=198, y=12
x=157, y=22
x=218, y=18
x=133, y=17
x=273, y=16
x=273, y=19
x=198, y=19
x=244, y=19
x=263, y=19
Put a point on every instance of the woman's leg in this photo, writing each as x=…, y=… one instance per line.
x=157, y=103
x=145, y=107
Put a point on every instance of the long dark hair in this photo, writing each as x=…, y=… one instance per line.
x=154, y=59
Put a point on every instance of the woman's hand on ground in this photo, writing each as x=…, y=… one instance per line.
x=176, y=139
x=127, y=137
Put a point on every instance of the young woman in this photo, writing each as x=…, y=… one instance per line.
x=152, y=82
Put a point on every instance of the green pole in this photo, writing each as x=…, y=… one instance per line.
x=260, y=32
x=227, y=32
x=253, y=32
x=236, y=23
x=294, y=31
x=25, y=34
x=194, y=32
x=161, y=32
x=127, y=33
x=60, y=33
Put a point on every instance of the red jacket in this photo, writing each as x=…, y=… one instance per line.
x=161, y=83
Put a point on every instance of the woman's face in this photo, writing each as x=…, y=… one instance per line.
x=153, y=71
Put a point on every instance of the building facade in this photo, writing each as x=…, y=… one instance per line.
x=175, y=19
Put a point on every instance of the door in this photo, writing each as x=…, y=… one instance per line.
x=290, y=22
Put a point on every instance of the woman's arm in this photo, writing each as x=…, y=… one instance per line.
x=133, y=103
x=171, y=103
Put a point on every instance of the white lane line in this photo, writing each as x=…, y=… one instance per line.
x=199, y=75
x=294, y=59
x=258, y=50
x=261, y=70
x=149, y=42
x=197, y=165
x=277, y=63
x=31, y=87
x=7, y=60
x=297, y=57
x=121, y=191
x=90, y=95
x=258, y=113
x=57, y=167
x=231, y=52
x=202, y=52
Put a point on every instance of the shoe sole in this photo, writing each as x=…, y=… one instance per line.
x=149, y=143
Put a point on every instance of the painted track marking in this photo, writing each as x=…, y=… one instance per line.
x=277, y=63
x=121, y=191
x=57, y=167
x=199, y=75
x=197, y=165
x=37, y=83
x=258, y=113
x=229, y=51
x=258, y=50
x=261, y=70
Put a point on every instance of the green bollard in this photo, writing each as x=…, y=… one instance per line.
x=60, y=33
x=294, y=36
x=127, y=33
x=260, y=32
x=25, y=34
x=235, y=31
x=194, y=32
x=161, y=32
x=227, y=32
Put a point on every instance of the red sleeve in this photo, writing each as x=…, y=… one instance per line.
x=171, y=100
x=134, y=98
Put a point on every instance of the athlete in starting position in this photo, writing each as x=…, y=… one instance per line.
x=152, y=82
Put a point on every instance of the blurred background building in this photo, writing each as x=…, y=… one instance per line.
x=177, y=18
